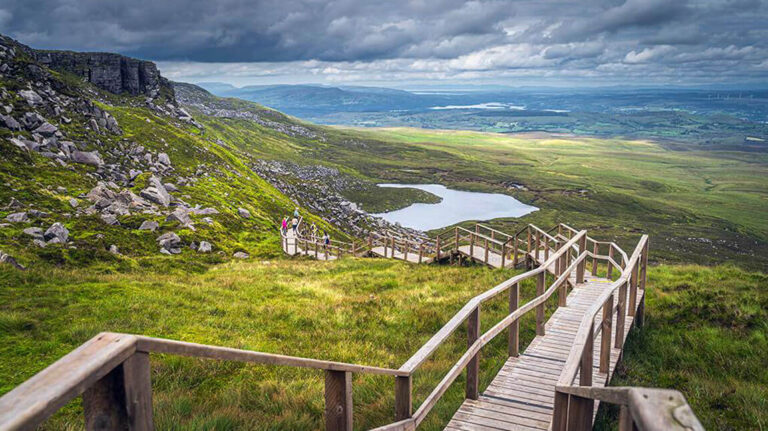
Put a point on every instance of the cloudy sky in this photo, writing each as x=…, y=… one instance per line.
x=411, y=43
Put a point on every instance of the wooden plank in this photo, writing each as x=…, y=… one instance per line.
x=30, y=403
x=338, y=401
x=159, y=345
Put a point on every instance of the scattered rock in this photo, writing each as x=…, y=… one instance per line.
x=46, y=130
x=180, y=215
x=9, y=122
x=171, y=187
x=241, y=255
x=110, y=219
x=6, y=258
x=32, y=98
x=114, y=250
x=87, y=158
x=169, y=241
x=17, y=217
x=244, y=213
x=73, y=202
x=164, y=159
x=156, y=192
x=34, y=232
x=205, y=247
x=56, y=232
x=149, y=225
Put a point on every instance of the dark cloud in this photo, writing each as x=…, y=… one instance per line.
x=433, y=39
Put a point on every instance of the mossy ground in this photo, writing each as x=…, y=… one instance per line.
x=705, y=335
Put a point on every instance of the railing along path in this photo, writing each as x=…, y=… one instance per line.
x=554, y=383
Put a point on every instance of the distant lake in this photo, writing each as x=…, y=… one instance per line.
x=456, y=206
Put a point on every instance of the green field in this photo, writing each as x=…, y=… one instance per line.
x=705, y=335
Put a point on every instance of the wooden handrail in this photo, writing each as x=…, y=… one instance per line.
x=572, y=363
x=31, y=403
x=484, y=339
x=433, y=343
x=650, y=408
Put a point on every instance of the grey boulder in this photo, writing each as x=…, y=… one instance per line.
x=149, y=225
x=46, y=130
x=156, y=192
x=244, y=213
x=91, y=158
x=169, y=241
x=241, y=255
x=9, y=122
x=56, y=233
x=17, y=217
x=205, y=247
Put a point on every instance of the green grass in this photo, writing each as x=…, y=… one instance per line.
x=705, y=335
x=364, y=311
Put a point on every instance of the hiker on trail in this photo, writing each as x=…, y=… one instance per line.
x=296, y=212
x=285, y=225
x=314, y=231
x=295, y=223
x=326, y=239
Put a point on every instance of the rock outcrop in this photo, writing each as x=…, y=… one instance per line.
x=111, y=72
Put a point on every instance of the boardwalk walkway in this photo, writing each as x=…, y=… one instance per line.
x=521, y=396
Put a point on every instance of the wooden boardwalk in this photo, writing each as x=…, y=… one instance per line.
x=521, y=396
x=291, y=247
x=488, y=257
x=412, y=257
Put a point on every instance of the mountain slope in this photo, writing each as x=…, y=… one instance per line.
x=103, y=160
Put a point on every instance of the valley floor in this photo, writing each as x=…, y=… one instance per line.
x=706, y=335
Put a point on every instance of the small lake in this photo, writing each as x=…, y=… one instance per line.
x=456, y=206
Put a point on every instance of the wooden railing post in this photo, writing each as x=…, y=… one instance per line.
x=121, y=400
x=609, y=270
x=529, y=239
x=456, y=232
x=580, y=413
x=538, y=244
x=514, y=253
x=559, y=260
x=580, y=268
x=473, y=367
x=560, y=412
x=644, y=267
x=503, y=255
x=581, y=410
x=540, y=281
x=403, y=397
x=605, y=336
x=437, y=248
x=633, y=288
x=471, y=245
x=595, y=250
x=486, y=251
x=621, y=314
x=514, y=327
x=338, y=400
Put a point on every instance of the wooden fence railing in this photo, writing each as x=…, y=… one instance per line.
x=471, y=313
x=112, y=371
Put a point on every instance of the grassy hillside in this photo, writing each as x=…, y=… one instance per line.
x=700, y=206
x=705, y=335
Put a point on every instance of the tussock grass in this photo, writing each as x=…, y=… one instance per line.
x=705, y=335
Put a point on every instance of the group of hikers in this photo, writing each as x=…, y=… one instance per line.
x=313, y=231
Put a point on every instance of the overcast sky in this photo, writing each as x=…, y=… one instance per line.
x=412, y=43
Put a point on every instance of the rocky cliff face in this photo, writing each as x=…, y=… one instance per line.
x=111, y=72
